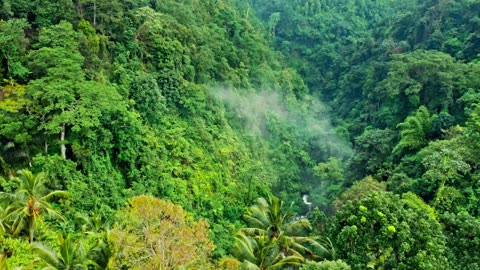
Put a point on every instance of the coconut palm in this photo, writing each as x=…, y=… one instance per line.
x=271, y=219
x=72, y=255
x=261, y=253
x=29, y=202
x=92, y=224
x=101, y=253
x=97, y=230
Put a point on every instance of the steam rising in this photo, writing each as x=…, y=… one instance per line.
x=257, y=111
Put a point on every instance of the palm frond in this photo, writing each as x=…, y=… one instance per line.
x=56, y=194
x=99, y=255
x=271, y=254
x=18, y=218
x=246, y=265
x=296, y=226
x=4, y=196
x=287, y=261
x=47, y=254
x=50, y=211
x=253, y=231
x=257, y=221
x=272, y=240
x=245, y=247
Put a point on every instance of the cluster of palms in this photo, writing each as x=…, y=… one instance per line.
x=21, y=210
x=275, y=239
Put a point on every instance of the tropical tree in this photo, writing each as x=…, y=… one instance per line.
x=414, y=131
x=274, y=238
x=12, y=48
x=446, y=168
x=92, y=224
x=96, y=230
x=326, y=265
x=388, y=231
x=29, y=201
x=359, y=190
x=156, y=234
x=372, y=151
x=57, y=67
x=260, y=253
x=72, y=255
x=463, y=243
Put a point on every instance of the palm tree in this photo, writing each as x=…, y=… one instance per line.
x=92, y=224
x=94, y=227
x=261, y=253
x=73, y=255
x=29, y=202
x=270, y=219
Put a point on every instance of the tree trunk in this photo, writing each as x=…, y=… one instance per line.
x=31, y=229
x=63, y=149
x=94, y=12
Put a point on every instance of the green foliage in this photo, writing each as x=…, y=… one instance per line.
x=21, y=253
x=443, y=166
x=274, y=238
x=118, y=102
x=172, y=236
x=12, y=48
x=359, y=190
x=414, y=131
x=462, y=244
x=331, y=176
x=384, y=230
x=325, y=265
x=57, y=66
x=72, y=255
x=372, y=151
x=429, y=78
x=114, y=99
x=261, y=253
x=29, y=203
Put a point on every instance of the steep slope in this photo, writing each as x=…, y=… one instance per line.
x=115, y=99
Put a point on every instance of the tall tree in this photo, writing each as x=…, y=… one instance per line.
x=29, y=202
x=414, y=131
x=57, y=65
x=275, y=233
x=156, y=234
x=12, y=49
x=260, y=253
x=384, y=231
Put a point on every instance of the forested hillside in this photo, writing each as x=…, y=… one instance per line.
x=222, y=134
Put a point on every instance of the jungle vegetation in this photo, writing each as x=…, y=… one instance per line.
x=225, y=134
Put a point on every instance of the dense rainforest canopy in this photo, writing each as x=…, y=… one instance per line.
x=224, y=134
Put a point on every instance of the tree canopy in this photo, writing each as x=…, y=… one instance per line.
x=307, y=134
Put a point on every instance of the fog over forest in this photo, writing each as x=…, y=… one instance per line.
x=226, y=134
